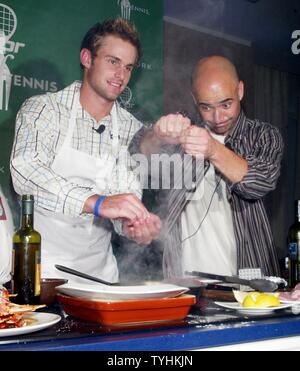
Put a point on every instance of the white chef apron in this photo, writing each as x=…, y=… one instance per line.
x=82, y=243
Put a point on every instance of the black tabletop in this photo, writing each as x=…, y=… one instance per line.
x=204, y=313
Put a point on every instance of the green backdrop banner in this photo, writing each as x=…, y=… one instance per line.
x=39, y=52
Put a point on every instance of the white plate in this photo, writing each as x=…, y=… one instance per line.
x=208, y=281
x=40, y=321
x=292, y=302
x=96, y=292
x=251, y=310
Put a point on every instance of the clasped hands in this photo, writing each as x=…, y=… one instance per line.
x=177, y=129
x=139, y=224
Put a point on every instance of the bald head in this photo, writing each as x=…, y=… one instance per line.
x=214, y=69
x=217, y=92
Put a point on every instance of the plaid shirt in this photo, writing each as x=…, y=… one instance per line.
x=41, y=128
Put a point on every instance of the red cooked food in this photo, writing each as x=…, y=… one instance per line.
x=8, y=319
x=294, y=295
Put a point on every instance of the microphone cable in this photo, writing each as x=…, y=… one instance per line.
x=209, y=205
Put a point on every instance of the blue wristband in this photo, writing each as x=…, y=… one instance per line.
x=97, y=205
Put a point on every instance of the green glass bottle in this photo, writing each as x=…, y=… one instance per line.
x=294, y=249
x=26, y=262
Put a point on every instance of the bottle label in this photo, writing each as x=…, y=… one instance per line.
x=293, y=250
x=37, y=290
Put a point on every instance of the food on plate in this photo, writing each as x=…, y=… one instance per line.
x=293, y=295
x=266, y=301
x=11, y=315
x=250, y=299
x=256, y=299
x=241, y=295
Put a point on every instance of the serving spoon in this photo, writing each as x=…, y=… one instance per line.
x=258, y=284
x=84, y=275
x=183, y=282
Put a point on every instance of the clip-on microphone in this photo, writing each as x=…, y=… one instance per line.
x=100, y=129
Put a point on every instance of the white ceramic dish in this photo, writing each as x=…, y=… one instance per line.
x=102, y=292
x=292, y=302
x=251, y=310
x=39, y=321
x=209, y=281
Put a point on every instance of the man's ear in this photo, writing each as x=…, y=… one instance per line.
x=85, y=58
x=241, y=90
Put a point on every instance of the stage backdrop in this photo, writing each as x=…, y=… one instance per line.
x=39, y=52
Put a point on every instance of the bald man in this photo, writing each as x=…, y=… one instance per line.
x=226, y=228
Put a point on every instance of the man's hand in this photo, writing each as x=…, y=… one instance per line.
x=122, y=206
x=168, y=129
x=199, y=143
x=142, y=231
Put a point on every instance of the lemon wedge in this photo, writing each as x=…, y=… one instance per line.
x=241, y=295
x=256, y=299
x=266, y=301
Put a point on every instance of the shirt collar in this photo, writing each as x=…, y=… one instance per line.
x=75, y=87
x=238, y=129
x=67, y=95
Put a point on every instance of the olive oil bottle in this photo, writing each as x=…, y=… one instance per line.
x=293, y=256
x=26, y=260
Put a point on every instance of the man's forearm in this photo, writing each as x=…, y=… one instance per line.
x=50, y=191
x=233, y=167
x=150, y=143
x=89, y=204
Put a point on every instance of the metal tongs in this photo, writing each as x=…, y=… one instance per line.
x=258, y=284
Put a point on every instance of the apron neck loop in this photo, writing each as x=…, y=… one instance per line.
x=114, y=123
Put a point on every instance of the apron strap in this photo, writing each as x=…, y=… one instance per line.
x=115, y=131
x=72, y=124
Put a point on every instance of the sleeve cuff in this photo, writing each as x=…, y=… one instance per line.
x=75, y=201
x=118, y=226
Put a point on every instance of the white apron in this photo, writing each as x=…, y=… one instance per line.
x=80, y=243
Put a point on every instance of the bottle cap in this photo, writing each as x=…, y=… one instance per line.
x=27, y=204
x=27, y=198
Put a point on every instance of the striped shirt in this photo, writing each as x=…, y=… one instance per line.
x=261, y=145
x=41, y=128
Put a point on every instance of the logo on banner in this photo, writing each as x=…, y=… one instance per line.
x=127, y=8
x=8, y=26
x=8, y=50
x=125, y=99
x=296, y=43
